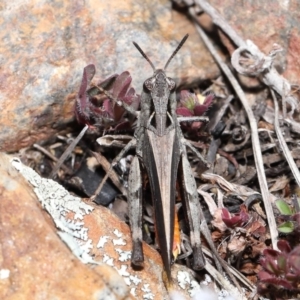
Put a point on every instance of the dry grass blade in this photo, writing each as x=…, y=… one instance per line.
x=212, y=207
x=109, y=173
x=109, y=169
x=236, y=273
x=254, y=135
x=220, y=22
x=117, y=141
x=224, y=282
x=47, y=153
x=287, y=153
x=68, y=151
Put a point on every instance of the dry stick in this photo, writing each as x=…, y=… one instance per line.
x=267, y=73
x=110, y=170
x=239, y=275
x=254, y=135
x=105, y=164
x=68, y=151
x=220, y=22
x=220, y=113
x=43, y=150
x=282, y=143
x=223, y=282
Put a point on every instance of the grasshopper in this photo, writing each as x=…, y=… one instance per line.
x=161, y=151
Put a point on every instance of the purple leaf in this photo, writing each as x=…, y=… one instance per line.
x=93, y=107
x=279, y=282
x=282, y=263
x=121, y=85
x=271, y=267
x=234, y=220
x=270, y=252
x=294, y=278
x=208, y=100
x=284, y=246
x=263, y=275
x=82, y=108
x=199, y=110
x=183, y=111
x=184, y=94
x=225, y=213
x=294, y=259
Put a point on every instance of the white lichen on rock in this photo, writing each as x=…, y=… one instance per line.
x=119, y=242
x=135, y=280
x=148, y=294
x=108, y=260
x=186, y=282
x=132, y=292
x=4, y=273
x=118, y=233
x=57, y=201
x=102, y=241
x=123, y=255
x=123, y=271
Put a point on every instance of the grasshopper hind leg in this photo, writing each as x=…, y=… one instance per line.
x=135, y=211
x=192, y=207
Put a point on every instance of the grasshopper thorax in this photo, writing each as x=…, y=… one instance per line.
x=160, y=88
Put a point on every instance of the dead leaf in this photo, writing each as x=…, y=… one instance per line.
x=237, y=244
x=218, y=221
x=279, y=184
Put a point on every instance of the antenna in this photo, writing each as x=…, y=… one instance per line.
x=145, y=56
x=176, y=50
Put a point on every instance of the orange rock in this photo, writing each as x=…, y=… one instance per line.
x=46, y=45
x=265, y=25
x=36, y=263
x=40, y=266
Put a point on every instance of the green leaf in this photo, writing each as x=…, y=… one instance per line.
x=281, y=262
x=283, y=207
x=286, y=227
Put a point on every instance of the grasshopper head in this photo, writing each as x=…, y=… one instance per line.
x=159, y=81
x=160, y=87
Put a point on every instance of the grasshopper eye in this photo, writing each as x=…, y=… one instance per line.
x=149, y=84
x=171, y=84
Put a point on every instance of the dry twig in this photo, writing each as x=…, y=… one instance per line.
x=287, y=153
x=235, y=272
x=47, y=153
x=254, y=133
x=68, y=151
x=109, y=173
x=262, y=66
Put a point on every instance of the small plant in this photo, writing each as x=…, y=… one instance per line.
x=281, y=268
x=95, y=109
x=235, y=220
x=290, y=217
x=190, y=104
x=193, y=105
